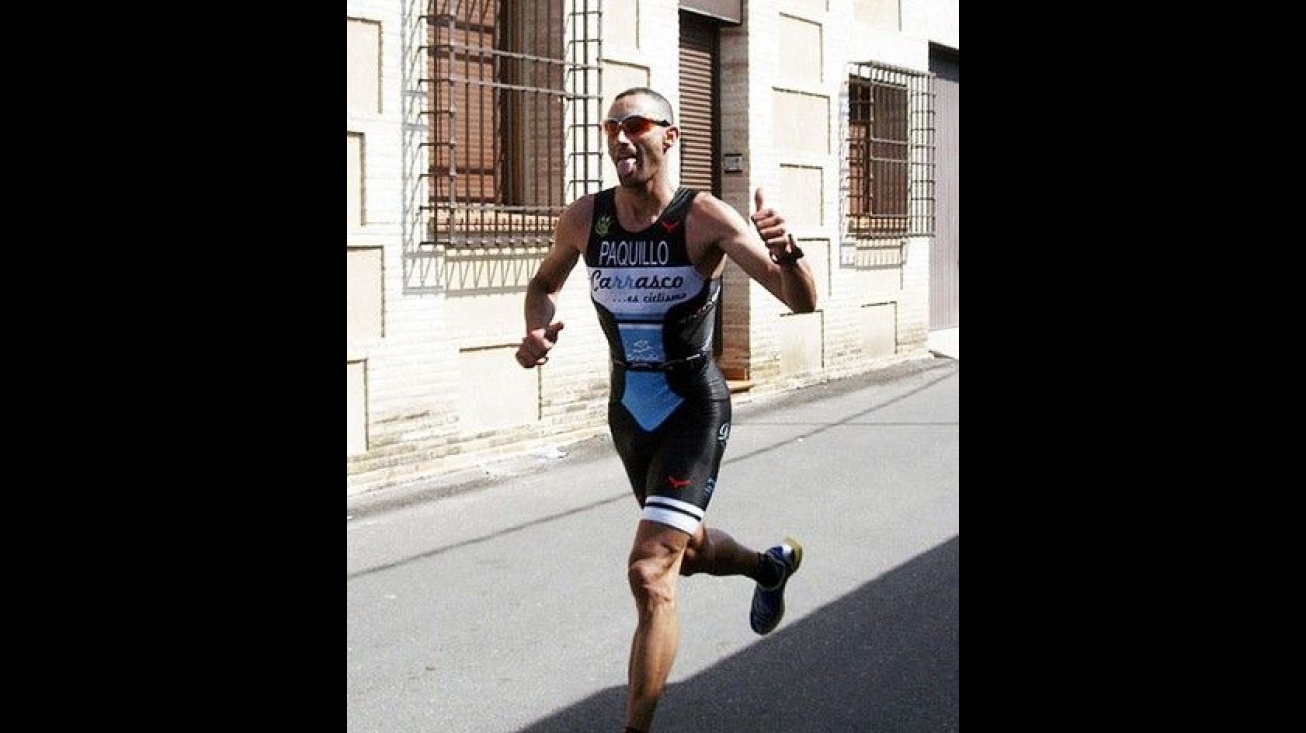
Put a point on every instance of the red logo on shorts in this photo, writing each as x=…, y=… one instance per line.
x=677, y=484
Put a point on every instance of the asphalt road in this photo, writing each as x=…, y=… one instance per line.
x=502, y=605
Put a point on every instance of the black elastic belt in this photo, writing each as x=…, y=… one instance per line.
x=660, y=366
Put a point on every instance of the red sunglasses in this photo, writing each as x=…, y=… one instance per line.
x=633, y=125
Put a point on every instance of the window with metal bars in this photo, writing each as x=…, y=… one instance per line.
x=513, y=128
x=890, y=179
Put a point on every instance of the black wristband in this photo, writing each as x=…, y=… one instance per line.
x=788, y=258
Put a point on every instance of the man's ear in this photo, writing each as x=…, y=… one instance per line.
x=670, y=137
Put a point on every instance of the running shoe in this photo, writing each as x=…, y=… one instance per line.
x=769, y=603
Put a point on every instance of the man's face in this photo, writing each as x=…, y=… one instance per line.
x=638, y=145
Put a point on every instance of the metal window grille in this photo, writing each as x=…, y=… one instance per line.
x=512, y=93
x=889, y=144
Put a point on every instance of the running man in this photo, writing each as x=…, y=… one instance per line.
x=655, y=254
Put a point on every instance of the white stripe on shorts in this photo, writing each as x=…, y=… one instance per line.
x=673, y=512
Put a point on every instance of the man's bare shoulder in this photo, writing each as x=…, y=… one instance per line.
x=573, y=221
x=711, y=214
x=705, y=200
x=582, y=207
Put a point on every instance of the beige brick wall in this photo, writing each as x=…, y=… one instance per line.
x=409, y=386
x=432, y=386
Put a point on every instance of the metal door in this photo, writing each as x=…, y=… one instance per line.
x=945, y=253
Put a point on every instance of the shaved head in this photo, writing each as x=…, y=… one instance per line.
x=664, y=107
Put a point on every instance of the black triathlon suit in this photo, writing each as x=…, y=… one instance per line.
x=669, y=408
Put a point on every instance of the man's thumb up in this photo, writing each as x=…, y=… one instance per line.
x=757, y=199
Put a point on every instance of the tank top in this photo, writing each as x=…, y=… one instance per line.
x=654, y=308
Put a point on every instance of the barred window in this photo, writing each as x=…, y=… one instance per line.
x=889, y=136
x=508, y=104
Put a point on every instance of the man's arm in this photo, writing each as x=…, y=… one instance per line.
x=751, y=247
x=542, y=291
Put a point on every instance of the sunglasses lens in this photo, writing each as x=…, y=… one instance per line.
x=636, y=125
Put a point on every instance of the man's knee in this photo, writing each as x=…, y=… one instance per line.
x=651, y=581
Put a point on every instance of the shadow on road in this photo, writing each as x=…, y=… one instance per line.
x=882, y=659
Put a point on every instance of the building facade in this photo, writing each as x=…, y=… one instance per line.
x=472, y=123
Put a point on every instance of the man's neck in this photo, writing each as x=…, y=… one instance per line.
x=643, y=205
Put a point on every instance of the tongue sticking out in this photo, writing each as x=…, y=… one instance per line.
x=626, y=166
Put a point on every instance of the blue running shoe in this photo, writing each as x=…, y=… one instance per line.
x=769, y=603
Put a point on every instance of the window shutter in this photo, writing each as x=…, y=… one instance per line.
x=698, y=138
